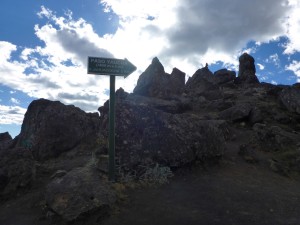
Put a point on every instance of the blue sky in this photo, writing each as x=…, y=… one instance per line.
x=44, y=45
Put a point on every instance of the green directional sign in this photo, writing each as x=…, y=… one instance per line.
x=110, y=66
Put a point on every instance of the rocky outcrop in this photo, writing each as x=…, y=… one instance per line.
x=237, y=113
x=147, y=135
x=247, y=70
x=17, y=170
x=5, y=140
x=51, y=128
x=204, y=80
x=78, y=193
x=290, y=99
x=201, y=81
x=274, y=138
x=5, y=137
x=154, y=82
x=223, y=76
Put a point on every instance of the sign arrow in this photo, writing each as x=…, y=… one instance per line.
x=110, y=66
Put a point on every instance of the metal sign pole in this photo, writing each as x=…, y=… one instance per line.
x=111, y=154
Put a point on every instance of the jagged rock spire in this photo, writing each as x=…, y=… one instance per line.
x=155, y=82
x=247, y=70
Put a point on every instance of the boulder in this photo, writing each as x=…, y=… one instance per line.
x=205, y=83
x=147, y=135
x=223, y=76
x=17, y=170
x=274, y=138
x=5, y=140
x=5, y=137
x=255, y=116
x=290, y=98
x=154, y=82
x=200, y=82
x=247, y=70
x=78, y=193
x=50, y=128
x=237, y=113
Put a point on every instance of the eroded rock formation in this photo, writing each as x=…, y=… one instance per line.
x=51, y=128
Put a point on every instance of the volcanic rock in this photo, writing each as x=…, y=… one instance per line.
x=247, y=70
x=290, y=99
x=223, y=76
x=17, y=170
x=154, y=82
x=201, y=81
x=5, y=140
x=237, y=113
x=274, y=138
x=148, y=135
x=50, y=128
x=78, y=193
x=5, y=137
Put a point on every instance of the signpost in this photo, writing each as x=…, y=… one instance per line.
x=112, y=67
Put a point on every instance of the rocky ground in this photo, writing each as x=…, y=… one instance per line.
x=231, y=142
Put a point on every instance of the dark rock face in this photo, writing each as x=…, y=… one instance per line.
x=147, y=135
x=240, y=112
x=154, y=82
x=78, y=193
x=5, y=140
x=205, y=83
x=247, y=70
x=274, y=138
x=50, y=128
x=5, y=137
x=17, y=170
x=204, y=79
x=290, y=99
x=223, y=76
x=201, y=81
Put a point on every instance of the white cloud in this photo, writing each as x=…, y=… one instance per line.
x=187, y=33
x=293, y=28
x=274, y=82
x=43, y=71
x=11, y=114
x=15, y=101
x=261, y=67
x=273, y=59
x=295, y=67
x=182, y=33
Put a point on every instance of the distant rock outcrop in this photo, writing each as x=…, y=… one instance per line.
x=5, y=140
x=247, y=70
x=154, y=82
x=5, y=137
x=51, y=128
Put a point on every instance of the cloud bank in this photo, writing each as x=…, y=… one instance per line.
x=182, y=33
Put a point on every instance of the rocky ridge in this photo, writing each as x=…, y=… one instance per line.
x=163, y=122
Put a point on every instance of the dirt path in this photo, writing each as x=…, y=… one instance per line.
x=231, y=193
x=221, y=195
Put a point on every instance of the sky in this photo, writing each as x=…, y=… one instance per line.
x=44, y=45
